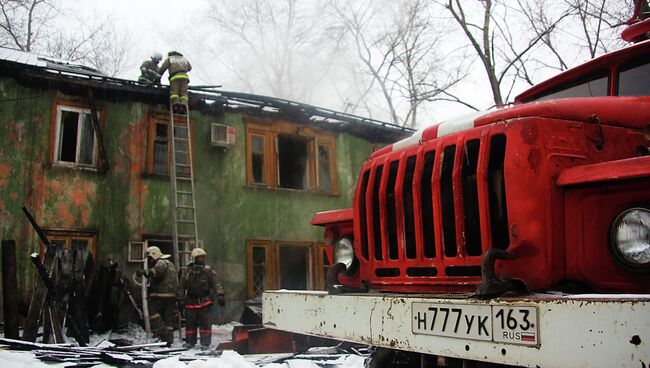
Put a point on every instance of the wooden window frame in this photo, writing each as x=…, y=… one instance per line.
x=68, y=235
x=270, y=130
x=55, y=133
x=152, y=120
x=315, y=277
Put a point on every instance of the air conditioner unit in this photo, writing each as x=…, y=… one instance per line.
x=222, y=135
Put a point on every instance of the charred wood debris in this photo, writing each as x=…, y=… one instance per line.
x=74, y=298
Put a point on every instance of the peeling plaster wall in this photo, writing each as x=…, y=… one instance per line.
x=123, y=204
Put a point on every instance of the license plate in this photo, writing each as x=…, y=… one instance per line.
x=507, y=324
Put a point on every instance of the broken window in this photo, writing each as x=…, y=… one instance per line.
x=75, y=137
x=291, y=156
x=75, y=241
x=292, y=162
x=285, y=265
x=159, y=147
x=294, y=266
x=160, y=150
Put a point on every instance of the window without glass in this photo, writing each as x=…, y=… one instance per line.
x=74, y=241
x=291, y=156
x=159, y=147
x=75, y=137
x=289, y=265
x=292, y=162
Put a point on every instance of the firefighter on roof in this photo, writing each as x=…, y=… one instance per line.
x=199, y=288
x=149, y=70
x=162, y=293
x=178, y=67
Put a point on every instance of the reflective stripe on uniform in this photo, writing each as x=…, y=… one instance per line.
x=179, y=76
x=155, y=316
x=190, y=332
x=184, y=98
x=198, y=306
x=206, y=331
x=173, y=95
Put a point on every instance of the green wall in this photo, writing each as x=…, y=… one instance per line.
x=125, y=203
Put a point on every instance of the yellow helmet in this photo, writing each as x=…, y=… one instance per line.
x=196, y=252
x=155, y=253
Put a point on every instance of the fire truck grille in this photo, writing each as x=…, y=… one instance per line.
x=434, y=213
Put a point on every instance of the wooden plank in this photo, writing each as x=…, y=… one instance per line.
x=9, y=289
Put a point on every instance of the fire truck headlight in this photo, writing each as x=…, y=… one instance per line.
x=344, y=252
x=630, y=238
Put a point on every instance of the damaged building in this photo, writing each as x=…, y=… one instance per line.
x=262, y=167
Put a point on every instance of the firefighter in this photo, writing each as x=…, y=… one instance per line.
x=178, y=67
x=162, y=293
x=149, y=70
x=200, y=287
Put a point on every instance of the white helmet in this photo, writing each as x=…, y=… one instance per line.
x=155, y=253
x=196, y=252
x=156, y=56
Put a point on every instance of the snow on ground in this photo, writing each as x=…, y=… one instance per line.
x=220, y=333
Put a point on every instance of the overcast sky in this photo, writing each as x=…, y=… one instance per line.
x=164, y=25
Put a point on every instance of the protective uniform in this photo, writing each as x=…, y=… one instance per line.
x=178, y=67
x=149, y=70
x=200, y=287
x=162, y=295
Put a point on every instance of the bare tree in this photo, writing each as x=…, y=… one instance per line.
x=98, y=45
x=495, y=32
x=274, y=45
x=399, y=48
x=22, y=22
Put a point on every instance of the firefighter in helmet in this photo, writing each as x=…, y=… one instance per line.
x=178, y=67
x=200, y=287
x=149, y=70
x=162, y=293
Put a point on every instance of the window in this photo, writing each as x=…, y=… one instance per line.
x=78, y=241
x=291, y=156
x=592, y=86
x=284, y=265
x=75, y=142
x=634, y=80
x=159, y=147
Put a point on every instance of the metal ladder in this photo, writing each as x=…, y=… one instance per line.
x=184, y=226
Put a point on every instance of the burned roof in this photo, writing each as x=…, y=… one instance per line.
x=74, y=78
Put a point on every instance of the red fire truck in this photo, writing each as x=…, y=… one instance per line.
x=516, y=237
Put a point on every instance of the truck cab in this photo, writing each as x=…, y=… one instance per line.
x=558, y=183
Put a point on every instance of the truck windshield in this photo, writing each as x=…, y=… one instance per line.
x=592, y=86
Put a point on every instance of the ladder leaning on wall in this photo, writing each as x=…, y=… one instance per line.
x=184, y=224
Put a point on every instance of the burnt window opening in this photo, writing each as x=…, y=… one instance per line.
x=426, y=205
x=161, y=150
x=293, y=263
x=497, y=193
x=76, y=136
x=447, y=201
x=292, y=162
x=363, y=236
x=470, y=198
x=257, y=159
x=391, y=217
x=407, y=200
x=376, y=219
